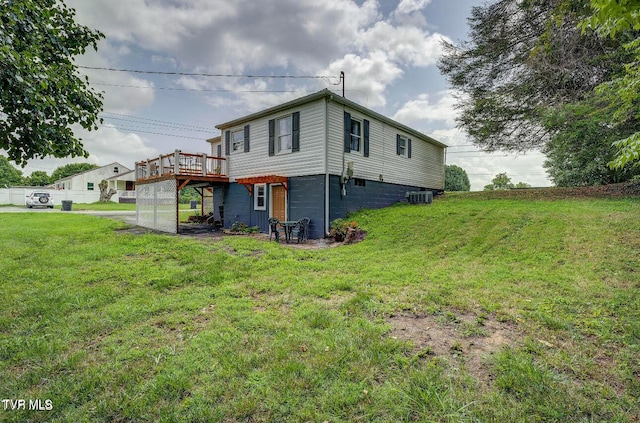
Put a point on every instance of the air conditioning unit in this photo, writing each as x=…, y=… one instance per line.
x=419, y=197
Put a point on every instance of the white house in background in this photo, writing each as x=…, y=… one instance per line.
x=125, y=185
x=119, y=177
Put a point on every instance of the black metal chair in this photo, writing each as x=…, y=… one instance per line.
x=273, y=225
x=301, y=229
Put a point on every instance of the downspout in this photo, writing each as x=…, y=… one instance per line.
x=326, y=166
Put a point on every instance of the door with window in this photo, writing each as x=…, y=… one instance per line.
x=278, y=202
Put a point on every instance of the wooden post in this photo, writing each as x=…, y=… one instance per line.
x=176, y=162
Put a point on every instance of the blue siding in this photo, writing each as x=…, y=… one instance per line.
x=306, y=199
x=238, y=206
x=373, y=195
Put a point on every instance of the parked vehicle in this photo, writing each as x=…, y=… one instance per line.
x=39, y=199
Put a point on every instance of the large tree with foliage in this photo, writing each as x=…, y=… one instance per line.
x=616, y=20
x=524, y=57
x=9, y=175
x=71, y=169
x=41, y=92
x=580, y=151
x=38, y=178
x=456, y=179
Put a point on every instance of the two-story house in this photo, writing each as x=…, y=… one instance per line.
x=322, y=156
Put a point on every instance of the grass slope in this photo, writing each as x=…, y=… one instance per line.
x=113, y=326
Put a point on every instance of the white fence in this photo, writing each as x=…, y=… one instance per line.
x=17, y=196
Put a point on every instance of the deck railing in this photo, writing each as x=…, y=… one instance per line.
x=181, y=164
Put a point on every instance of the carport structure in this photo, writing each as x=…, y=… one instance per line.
x=159, y=181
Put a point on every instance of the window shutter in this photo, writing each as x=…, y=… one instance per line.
x=398, y=144
x=272, y=137
x=409, y=148
x=347, y=132
x=246, y=138
x=295, y=126
x=366, y=138
x=227, y=142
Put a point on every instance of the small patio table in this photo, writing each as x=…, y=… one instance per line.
x=288, y=227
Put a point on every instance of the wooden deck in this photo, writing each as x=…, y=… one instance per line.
x=186, y=168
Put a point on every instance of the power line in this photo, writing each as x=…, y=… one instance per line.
x=150, y=132
x=208, y=74
x=140, y=119
x=193, y=89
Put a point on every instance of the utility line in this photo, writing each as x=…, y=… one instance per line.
x=150, y=132
x=139, y=119
x=193, y=89
x=208, y=74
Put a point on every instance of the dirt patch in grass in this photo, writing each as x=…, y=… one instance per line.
x=466, y=338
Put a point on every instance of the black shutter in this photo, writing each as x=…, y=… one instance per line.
x=295, y=124
x=398, y=144
x=366, y=138
x=227, y=142
x=409, y=148
x=272, y=137
x=347, y=132
x=246, y=138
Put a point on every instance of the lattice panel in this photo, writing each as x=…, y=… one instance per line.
x=157, y=207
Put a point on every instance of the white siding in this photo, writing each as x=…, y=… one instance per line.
x=309, y=160
x=95, y=176
x=425, y=168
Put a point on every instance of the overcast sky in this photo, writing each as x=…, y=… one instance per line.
x=388, y=50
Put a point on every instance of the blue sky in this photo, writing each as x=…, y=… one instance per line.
x=387, y=49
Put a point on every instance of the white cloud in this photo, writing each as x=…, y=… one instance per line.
x=410, y=6
x=439, y=107
x=367, y=77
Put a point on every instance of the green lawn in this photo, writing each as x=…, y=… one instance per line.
x=470, y=309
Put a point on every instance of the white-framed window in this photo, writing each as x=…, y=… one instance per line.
x=260, y=197
x=356, y=135
x=116, y=169
x=284, y=126
x=89, y=186
x=402, y=146
x=237, y=141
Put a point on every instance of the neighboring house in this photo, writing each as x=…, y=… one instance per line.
x=114, y=173
x=125, y=186
x=322, y=156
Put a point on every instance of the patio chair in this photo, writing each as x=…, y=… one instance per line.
x=301, y=229
x=275, y=230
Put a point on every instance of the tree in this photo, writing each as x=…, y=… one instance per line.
x=37, y=178
x=500, y=182
x=456, y=179
x=41, y=92
x=9, y=175
x=579, y=152
x=71, y=169
x=522, y=185
x=105, y=192
x=525, y=57
x=616, y=19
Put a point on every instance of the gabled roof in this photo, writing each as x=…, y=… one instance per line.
x=332, y=97
x=93, y=170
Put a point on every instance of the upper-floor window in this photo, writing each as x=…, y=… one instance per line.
x=237, y=141
x=284, y=134
x=89, y=186
x=116, y=169
x=356, y=135
x=403, y=146
x=285, y=131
